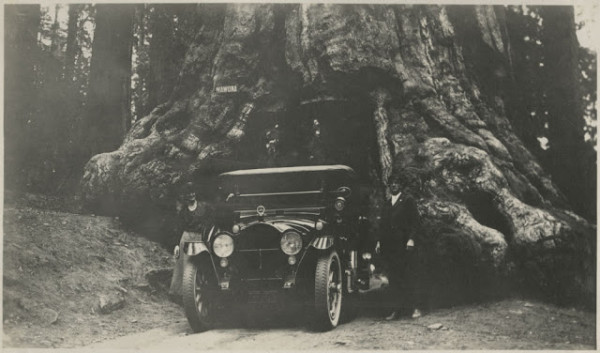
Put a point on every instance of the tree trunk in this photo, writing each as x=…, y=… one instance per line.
x=55, y=47
x=21, y=28
x=161, y=26
x=140, y=99
x=166, y=53
x=565, y=108
x=71, y=51
x=381, y=88
x=110, y=74
x=526, y=92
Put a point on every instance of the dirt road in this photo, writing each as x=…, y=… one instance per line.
x=509, y=324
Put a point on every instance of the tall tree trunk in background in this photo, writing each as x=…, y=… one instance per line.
x=110, y=73
x=166, y=53
x=71, y=50
x=21, y=28
x=72, y=100
x=381, y=88
x=141, y=13
x=161, y=27
x=565, y=109
x=526, y=93
x=55, y=47
x=141, y=63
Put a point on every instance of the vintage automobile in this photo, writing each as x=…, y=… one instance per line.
x=280, y=235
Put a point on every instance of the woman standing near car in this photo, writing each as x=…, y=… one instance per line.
x=192, y=215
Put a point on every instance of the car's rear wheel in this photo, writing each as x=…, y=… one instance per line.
x=328, y=291
x=197, y=301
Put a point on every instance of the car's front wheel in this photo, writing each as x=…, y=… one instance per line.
x=328, y=291
x=197, y=301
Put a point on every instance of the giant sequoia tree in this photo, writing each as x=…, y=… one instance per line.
x=381, y=88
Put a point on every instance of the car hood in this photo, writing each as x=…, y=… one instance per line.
x=284, y=224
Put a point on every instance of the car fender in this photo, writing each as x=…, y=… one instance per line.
x=192, y=243
x=194, y=248
x=322, y=242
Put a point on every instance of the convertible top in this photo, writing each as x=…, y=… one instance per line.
x=285, y=170
x=313, y=179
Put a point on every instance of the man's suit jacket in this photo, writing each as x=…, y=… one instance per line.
x=399, y=223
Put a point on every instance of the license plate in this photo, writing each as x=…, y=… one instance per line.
x=263, y=297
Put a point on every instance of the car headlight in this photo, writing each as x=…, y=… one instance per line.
x=291, y=243
x=223, y=245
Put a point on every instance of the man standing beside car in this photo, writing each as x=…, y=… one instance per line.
x=398, y=244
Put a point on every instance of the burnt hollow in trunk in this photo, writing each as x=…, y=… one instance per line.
x=337, y=132
x=481, y=205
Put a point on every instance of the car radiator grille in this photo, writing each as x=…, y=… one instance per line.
x=259, y=254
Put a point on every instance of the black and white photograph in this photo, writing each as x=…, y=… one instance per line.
x=373, y=176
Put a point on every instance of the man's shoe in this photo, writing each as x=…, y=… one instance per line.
x=392, y=316
x=416, y=314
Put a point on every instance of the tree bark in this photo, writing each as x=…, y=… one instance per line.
x=110, y=74
x=382, y=88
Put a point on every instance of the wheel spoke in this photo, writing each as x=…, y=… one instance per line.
x=333, y=294
x=203, y=311
x=200, y=284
